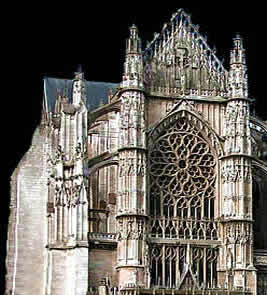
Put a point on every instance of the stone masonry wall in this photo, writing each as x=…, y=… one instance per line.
x=102, y=263
x=26, y=257
x=68, y=271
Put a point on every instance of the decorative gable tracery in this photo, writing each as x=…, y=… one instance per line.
x=179, y=61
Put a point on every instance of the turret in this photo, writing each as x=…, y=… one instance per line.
x=131, y=210
x=133, y=66
x=237, y=129
x=236, y=178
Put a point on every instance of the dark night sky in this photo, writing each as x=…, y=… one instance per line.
x=51, y=41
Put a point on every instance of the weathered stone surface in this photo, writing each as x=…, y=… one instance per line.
x=27, y=230
x=164, y=188
x=102, y=264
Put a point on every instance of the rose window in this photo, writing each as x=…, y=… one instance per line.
x=182, y=183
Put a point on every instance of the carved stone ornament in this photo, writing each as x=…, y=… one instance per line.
x=132, y=167
x=179, y=62
x=131, y=228
x=236, y=171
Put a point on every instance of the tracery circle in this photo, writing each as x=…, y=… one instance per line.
x=182, y=166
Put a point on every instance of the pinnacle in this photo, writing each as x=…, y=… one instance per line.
x=133, y=32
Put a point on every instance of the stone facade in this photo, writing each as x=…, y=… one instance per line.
x=158, y=190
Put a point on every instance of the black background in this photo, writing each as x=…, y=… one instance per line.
x=45, y=39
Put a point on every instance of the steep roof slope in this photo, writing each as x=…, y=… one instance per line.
x=96, y=92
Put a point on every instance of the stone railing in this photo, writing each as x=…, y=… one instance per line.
x=180, y=228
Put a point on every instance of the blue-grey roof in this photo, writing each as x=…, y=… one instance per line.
x=96, y=92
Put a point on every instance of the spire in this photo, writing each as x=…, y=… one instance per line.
x=237, y=80
x=133, y=66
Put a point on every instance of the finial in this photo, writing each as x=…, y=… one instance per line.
x=133, y=32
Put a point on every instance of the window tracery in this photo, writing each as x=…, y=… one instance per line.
x=182, y=179
x=182, y=201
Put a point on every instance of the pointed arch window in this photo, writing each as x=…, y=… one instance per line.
x=182, y=181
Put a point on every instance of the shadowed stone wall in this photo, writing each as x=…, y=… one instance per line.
x=27, y=223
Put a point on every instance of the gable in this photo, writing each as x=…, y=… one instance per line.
x=179, y=61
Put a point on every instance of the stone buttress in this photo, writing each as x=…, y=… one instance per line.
x=131, y=211
x=67, y=207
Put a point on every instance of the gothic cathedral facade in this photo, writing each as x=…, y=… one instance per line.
x=156, y=185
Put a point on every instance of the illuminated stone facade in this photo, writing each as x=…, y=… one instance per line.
x=157, y=186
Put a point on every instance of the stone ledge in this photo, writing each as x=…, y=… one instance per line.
x=65, y=246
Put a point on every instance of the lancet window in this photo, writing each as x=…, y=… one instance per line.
x=182, y=179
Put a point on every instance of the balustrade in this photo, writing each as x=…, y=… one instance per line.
x=180, y=228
